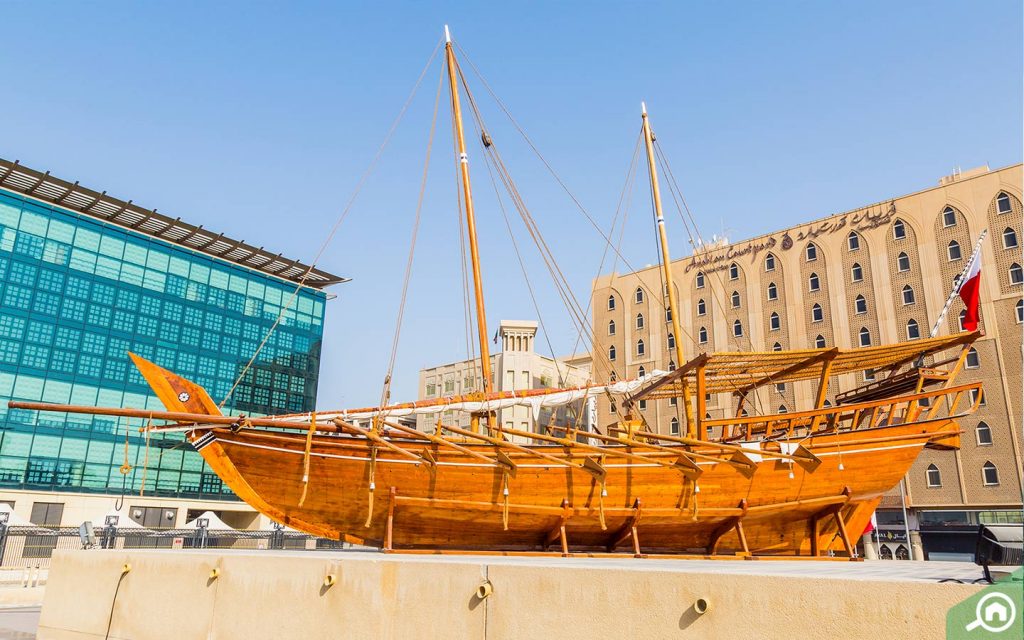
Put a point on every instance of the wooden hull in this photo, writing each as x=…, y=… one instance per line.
x=460, y=503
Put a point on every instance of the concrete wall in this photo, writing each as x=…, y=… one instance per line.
x=171, y=595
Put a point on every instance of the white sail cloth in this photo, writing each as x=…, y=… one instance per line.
x=535, y=402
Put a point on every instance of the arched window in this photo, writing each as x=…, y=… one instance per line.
x=899, y=230
x=783, y=409
x=865, y=337
x=1020, y=311
x=611, y=353
x=735, y=299
x=908, y=295
x=780, y=387
x=817, y=313
x=737, y=329
x=671, y=365
x=774, y=323
x=641, y=372
x=611, y=303
x=769, y=262
x=913, y=331
x=813, y=284
x=702, y=335
x=773, y=291
x=1016, y=275
x=973, y=360
x=884, y=552
x=613, y=408
x=700, y=280
x=819, y=342
x=673, y=426
x=990, y=474
x=811, y=252
x=902, y=553
x=777, y=347
x=638, y=295
x=853, y=241
x=1009, y=238
x=614, y=377
x=933, y=476
x=860, y=305
x=903, y=262
x=1003, y=203
x=671, y=342
x=640, y=348
x=734, y=271
x=953, y=251
x=611, y=327
x=702, y=308
x=961, y=319
x=948, y=217
x=983, y=433
x=668, y=315
x=856, y=272
x=639, y=321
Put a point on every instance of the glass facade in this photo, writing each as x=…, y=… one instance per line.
x=77, y=294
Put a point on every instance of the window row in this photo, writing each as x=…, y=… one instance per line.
x=989, y=472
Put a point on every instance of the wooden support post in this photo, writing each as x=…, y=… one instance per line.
x=819, y=400
x=627, y=531
x=731, y=523
x=841, y=525
x=389, y=531
x=701, y=401
x=559, y=531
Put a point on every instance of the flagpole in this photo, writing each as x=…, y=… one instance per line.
x=976, y=255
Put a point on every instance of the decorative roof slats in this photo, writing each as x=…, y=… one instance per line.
x=741, y=372
x=43, y=186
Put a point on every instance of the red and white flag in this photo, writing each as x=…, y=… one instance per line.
x=970, y=292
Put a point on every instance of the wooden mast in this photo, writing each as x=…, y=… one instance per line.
x=474, y=251
x=666, y=266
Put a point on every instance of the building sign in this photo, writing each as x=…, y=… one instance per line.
x=890, y=536
x=860, y=221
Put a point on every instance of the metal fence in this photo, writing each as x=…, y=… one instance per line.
x=32, y=547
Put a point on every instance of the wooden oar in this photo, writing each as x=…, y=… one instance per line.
x=440, y=441
x=373, y=437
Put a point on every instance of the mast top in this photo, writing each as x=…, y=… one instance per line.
x=447, y=34
x=643, y=108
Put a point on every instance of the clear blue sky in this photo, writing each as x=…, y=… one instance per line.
x=256, y=121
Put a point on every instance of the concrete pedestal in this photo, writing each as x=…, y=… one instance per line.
x=182, y=595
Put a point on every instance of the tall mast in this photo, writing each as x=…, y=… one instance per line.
x=666, y=265
x=474, y=252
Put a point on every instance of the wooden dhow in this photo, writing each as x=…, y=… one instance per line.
x=800, y=484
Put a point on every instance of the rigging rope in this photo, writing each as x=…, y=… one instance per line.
x=386, y=392
x=334, y=229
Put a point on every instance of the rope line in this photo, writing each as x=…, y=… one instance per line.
x=334, y=229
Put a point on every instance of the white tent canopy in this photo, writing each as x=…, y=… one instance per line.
x=13, y=519
x=213, y=523
x=124, y=521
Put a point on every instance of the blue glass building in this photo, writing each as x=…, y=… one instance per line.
x=86, y=278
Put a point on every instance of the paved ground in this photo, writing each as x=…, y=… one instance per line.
x=883, y=570
x=19, y=623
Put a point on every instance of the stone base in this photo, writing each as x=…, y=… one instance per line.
x=225, y=595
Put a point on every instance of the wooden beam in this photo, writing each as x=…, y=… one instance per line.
x=671, y=377
x=701, y=402
x=439, y=441
x=373, y=437
x=512, y=446
x=827, y=354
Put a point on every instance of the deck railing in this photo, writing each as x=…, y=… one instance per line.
x=860, y=415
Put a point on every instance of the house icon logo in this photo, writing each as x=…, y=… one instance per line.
x=994, y=612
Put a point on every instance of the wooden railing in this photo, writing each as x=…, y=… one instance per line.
x=861, y=415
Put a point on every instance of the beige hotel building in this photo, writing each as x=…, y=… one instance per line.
x=874, y=275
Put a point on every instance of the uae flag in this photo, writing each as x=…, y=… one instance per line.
x=970, y=291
